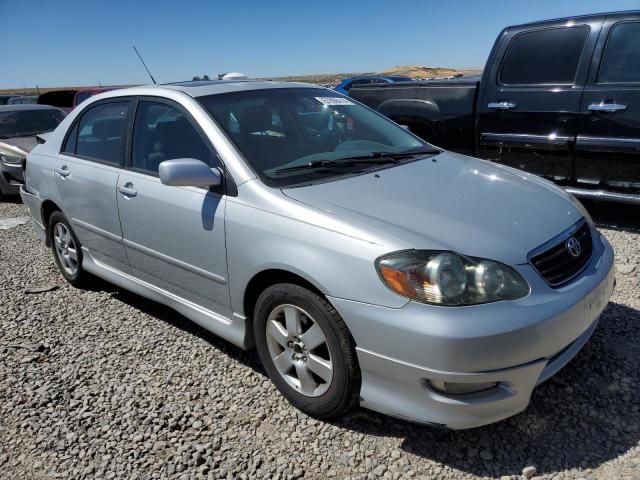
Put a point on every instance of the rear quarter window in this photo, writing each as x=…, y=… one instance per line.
x=544, y=57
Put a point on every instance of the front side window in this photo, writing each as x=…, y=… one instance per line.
x=162, y=132
x=621, y=61
x=102, y=132
x=281, y=131
x=27, y=123
x=542, y=57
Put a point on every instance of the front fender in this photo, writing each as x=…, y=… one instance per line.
x=337, y=259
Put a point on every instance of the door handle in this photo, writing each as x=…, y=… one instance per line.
x=127, y=191
x=606, y=107
x=62, y=171
x=501, y=105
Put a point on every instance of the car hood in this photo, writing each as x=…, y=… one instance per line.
x=25, y=144
x=451, y=202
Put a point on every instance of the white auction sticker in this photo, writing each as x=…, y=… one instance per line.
x=334, y=101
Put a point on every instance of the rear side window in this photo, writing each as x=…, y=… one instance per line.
x=621, y=61
x=544, y=57
x=101, y=133
x=162, y=132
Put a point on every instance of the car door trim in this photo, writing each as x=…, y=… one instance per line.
x=608, y=144
x=174, y=261
x=523, y=140
x=98, y=231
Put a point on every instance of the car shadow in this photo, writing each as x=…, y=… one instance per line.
x=166, y=314
x=588, y=413
x=584, y=416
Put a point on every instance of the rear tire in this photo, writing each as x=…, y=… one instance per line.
x=67, y=250
x=307, y=350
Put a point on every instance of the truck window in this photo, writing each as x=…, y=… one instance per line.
x=621, y=60
x=540, y=57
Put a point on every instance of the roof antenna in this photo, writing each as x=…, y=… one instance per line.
x=145, y=65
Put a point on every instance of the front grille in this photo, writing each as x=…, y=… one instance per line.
x=557, y=264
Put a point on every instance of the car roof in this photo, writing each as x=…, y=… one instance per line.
x=579, y=18
x=26, y=106
x=212, y=87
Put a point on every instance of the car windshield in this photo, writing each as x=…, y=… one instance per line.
x=26, y=123
x=300, y=135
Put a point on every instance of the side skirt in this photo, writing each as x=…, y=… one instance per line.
x=233, y=330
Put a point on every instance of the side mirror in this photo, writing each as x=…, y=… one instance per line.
x=188, y=172
x=406, y=127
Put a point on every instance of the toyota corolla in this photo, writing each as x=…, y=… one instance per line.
x=365, y=265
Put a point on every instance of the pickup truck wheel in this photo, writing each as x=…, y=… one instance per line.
x=307, y=350
x=67, y=251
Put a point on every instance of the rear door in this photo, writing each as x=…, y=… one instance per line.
x=528, y=112
x=608, y=144
x=86, y=174
x=174, y=236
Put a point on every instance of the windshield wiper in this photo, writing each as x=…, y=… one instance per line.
x=373, y=157
x=335, y=164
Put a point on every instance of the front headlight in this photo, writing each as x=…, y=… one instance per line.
x=10, y=154
x=449, y=279
x=10, y=158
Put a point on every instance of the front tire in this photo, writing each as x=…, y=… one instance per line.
x=307, y=350
x=66, y=249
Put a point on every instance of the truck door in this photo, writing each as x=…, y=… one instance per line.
x=608, y=143
x=529, y=106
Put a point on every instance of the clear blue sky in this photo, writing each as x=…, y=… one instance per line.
x=70, y=42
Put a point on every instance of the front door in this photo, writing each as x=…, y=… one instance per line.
x=174, y=236
x=86, y=174
x=608, y=144
x=528, y=113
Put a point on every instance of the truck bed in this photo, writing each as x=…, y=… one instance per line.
x=440, y=111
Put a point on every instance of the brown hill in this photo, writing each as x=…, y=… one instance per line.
x=418, y=71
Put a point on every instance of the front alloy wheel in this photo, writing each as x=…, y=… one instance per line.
x=307, y=350
x=299, y=350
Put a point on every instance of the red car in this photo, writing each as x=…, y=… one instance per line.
x=67, y=100
x=82, y=95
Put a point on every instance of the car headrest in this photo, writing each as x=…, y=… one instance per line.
x=254, y=118
x=108, y=127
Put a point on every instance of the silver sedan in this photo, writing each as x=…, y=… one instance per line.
x=366, y=266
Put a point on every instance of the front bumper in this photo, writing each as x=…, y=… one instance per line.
x=11, y=177
x=516, y=344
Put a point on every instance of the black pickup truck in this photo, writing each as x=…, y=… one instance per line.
x=558, y=98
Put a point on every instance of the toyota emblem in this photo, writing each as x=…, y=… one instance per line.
x=573, y=247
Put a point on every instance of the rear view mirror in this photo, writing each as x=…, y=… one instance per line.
x=188, y=172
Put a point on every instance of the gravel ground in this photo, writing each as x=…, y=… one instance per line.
x=103, y=384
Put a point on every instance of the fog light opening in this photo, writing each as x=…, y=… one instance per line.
x=451, y=388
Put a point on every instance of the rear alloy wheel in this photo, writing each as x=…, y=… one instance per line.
x=67, y=250
x=307, y=350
